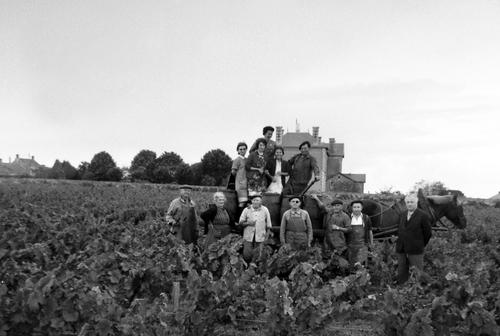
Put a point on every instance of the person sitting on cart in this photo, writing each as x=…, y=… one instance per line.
x=304, y=167
x=276, y=171
x=296, y=227
x=267, y=132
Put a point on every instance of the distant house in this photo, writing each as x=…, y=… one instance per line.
x=19, y=167
x=329, y=157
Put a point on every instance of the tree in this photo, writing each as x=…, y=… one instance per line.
x=217, y=164
x=197, y=173
x=101, y=167
x=183, y=174
x=57, y=171
x=431, y=188
x=83, y=171
x=164, y=168
x=70, y=172
x=142, y=164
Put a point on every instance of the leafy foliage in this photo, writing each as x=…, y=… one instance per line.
x=102, y=167
x=140, y=168
x=98, y=258
x=216, y=164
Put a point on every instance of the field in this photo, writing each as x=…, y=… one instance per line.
x=86, y=258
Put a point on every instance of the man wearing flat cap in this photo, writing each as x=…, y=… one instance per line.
x=336, y=224
x=181, y=216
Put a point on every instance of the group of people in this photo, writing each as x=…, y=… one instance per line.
x=265, y=171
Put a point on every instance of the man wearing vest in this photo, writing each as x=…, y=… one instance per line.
x=414, y=232
x=296, y=226
x=360, y=235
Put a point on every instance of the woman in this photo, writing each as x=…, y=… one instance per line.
x=296, y=226
x=255, y=166
x=276, y=171
x=238, y=170
x=217, y=218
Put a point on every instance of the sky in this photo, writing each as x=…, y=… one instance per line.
x=412, y=88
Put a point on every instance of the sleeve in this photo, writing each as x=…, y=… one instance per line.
x=236, y=163
x=368, y=229
x=283, y=227
x=269, y=224
x=172, y=211
x=309, y=228
x=250, y=162
x=253, y=148
x=207, y=218
x=243, y=217
x=314, y=166
x=426, y=228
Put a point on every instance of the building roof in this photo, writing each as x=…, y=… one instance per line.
x=496, y=197
x=294, y=139
x=359, y=178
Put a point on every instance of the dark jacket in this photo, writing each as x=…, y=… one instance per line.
x=271, y=167
x=413, y=234
x=209, y=215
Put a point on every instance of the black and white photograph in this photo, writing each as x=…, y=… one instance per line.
x=238, y=167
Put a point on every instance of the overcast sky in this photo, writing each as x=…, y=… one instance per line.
x=412, y=88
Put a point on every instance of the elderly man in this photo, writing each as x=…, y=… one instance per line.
x=303, y=168
x=256, y=223
x=360, y=236
x=296, y=227
x=336, y=223
x=267, y=132
x=181, y=216
x=414, y=232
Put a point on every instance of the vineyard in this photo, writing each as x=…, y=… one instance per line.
x=88, y=258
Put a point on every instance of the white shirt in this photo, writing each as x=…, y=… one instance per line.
x=409, y=215
x=357, y=220
x=263, y=218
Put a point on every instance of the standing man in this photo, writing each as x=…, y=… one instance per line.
x=267, y=132
x=256, y=223
x=336, y=224
x=296, y=227
x=414, y=232
x=303, y=168
x=181, y=216
x=360, y=236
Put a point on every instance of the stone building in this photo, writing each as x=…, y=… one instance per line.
x=329, y=156
x=19, y=167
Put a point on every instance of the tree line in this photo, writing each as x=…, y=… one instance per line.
x=213, y=169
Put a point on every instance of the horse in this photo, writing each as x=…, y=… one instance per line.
x=385, y=218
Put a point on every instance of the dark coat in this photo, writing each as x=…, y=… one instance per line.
x=271, y=167
x=209, y=215
x=413, y=234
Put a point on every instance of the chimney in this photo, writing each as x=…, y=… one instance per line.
x=279, y=134
x=33, y=157
x=0, y=160
x=332, y=140
x=319, y=139
x=17, y=156
x=315, y=132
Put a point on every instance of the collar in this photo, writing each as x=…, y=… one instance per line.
x=360, y=215
x=241, y=156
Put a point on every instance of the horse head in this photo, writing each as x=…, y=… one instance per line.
x=449, y=207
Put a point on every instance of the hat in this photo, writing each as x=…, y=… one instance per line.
x=293, y=197
x=337, y=201
x=357, y=201
x=185, y=186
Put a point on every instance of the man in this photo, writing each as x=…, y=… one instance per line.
x=267, y=132
x=360, y=236
x=336, y=224
x=256, y=223
x=303, y=168
x=414, y=232
x=181, y=216
x=296, y=227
